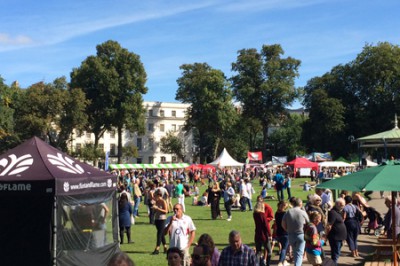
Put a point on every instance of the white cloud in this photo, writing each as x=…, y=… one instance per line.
x=18, y=40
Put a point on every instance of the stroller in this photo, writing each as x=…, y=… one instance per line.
x=374, y=221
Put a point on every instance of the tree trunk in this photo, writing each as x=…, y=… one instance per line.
x=265, y=142
x=119, y=144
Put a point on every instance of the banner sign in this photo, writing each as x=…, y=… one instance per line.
x=279, y=159
x=254, y=156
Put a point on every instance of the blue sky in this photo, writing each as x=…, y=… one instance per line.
x=43, y=40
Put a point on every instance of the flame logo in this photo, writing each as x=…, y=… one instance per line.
x=16, y=165
x=64, y=163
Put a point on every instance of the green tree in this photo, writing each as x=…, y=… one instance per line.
x=325, y=124
x=172, y=144
x=8, y=138
x=287, y=139
x=50, y=111
x=264, y=84
x=211, y=111
x=130, y=151
x=114, y=81
x=89, y=153
x=367, y=87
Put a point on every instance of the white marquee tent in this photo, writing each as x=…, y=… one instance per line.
x=335, y=164
x=225, y=160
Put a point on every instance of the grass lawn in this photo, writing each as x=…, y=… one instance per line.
x=144, y=234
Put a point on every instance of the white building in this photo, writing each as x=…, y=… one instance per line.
x=161, y=118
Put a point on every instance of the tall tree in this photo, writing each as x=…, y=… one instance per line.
x=172, y=144
x=8, y=138
x=367, y=88
x=286, y=140
x=211, y=110
x=50, y=111
x=264, y=84
x=325, y=124
x=114, y=81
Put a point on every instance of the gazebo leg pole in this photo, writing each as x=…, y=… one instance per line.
x=394, y=236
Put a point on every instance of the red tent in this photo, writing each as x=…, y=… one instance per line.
x=302, y=163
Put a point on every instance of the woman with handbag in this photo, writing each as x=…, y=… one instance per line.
x=229, y=195
x=352, y=225
x=160, y=210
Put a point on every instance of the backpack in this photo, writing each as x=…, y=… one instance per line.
x=358, y=215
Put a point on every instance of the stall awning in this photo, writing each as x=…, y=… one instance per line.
x=149, y=166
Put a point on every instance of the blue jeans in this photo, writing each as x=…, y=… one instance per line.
x=280, y=195
x=336, y=246
x=298, y=244
x=284, y=241
x=136, y=207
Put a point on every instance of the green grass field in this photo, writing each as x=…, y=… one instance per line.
x=144, y=234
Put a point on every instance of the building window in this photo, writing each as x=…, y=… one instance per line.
x=79, y=133
x=78, y=147
x=151, y=144
x=150, y=127
x=173, y=113
x=101, y=146
x=139, y=144
x=163, y=159
x=150, y=113
x=162, y=127
x=151, y=159
x=162, y=113
x=88, y=135
x=174, y=159
x=113, y=150
x=112, y=134
x=173, y=128
x=138, y=160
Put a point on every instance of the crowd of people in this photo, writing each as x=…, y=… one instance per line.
x=300, y=231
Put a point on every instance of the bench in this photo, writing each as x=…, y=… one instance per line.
x=378, y=263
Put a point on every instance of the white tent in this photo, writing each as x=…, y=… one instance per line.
x=335, y=164
x=225, y=160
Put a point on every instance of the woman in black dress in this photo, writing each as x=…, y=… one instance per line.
x=214, y=197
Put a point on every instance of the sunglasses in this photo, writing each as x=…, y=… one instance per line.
x=197, y=257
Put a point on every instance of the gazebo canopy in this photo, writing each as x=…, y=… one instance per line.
x=390, y=138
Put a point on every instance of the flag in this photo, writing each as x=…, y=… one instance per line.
x=106, y=163
x=254, y=156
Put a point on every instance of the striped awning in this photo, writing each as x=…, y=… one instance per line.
x=149, y=166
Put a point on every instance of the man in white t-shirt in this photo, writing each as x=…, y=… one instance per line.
x=181, y=230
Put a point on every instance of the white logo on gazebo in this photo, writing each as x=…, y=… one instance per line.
x=66, y=186
x=64, y=163
x=16, y=165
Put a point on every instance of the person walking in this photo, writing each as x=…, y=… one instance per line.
x=262, y=234
x=336, y=229
x=314, y=243
x=125, y=213
x=137, y=196
x=160, y=209
x=293, y=222
x=179, y=191
x=181, y=230
x=279, y=185
x=281, y=234
x=353, y=226
x=229, y=195
x=244, y=196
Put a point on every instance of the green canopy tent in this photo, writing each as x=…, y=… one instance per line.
x=386, y=139
x=149, y=166
x=385, y=177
